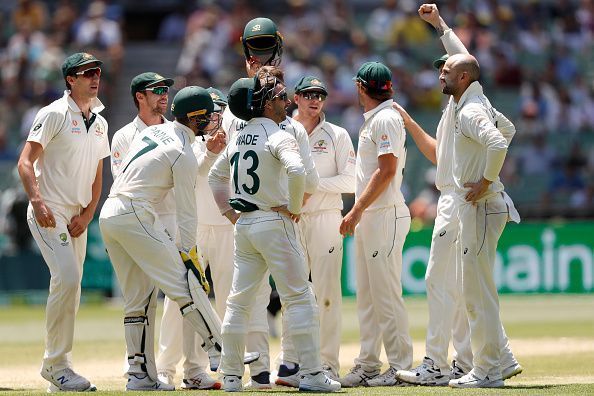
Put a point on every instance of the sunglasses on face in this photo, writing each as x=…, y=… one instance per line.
x=314, y=95
x=158, y=90
x=282, y=95
x=89, y=73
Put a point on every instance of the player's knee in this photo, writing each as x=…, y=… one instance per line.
x=69, y=283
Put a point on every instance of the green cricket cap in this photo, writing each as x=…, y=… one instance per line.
x=375, y=76
x=192, y=101
x=217, y=96
x=437, y=63
x=76, y=60
x=145, y=80
x=310, y=83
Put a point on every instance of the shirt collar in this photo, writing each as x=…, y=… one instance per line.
x=96, y=105
x=367, y=115
x=263, y=121
x=320, y=124
x=473, y=89
x=188, y=131
x=140, y=125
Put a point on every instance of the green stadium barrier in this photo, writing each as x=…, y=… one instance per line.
x=531, y=258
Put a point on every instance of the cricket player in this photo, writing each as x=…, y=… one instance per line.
x=61, y=169
x=380, y=221
x=263, y=47
x=334, y=157
x=268, y=182
x=444, y=288
x=216, y=245
x=142, y=252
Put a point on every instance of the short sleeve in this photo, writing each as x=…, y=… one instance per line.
x=386, y=132
x=45, y=127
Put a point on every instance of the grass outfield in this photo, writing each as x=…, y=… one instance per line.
x=552, y=337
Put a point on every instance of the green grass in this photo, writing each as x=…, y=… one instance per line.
x=552, y=336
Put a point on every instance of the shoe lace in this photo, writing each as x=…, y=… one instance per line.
x=356, y=369
x=389, y=373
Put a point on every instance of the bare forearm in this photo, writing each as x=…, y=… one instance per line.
x=426, y=143
x=29, y=180
x=441, y=27
x=376, y=186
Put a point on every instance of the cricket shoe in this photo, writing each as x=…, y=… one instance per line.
x=330, y=373
x=165, y=377
x=358, y=376
x=214, y=358
x=511, y=371
x=200, y=381
x=288, y=377
x=232, y=383
x=456, y=371
x=142, y=382
x=425, y=374
x=470, y=380
x=318, y=382
x=387, y=378
x=259, y=381
x=66, y=380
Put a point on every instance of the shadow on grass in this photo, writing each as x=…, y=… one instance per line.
x=518, y=387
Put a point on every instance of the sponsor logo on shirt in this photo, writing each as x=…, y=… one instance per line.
x=36, y=130
x=116, y=154
x=351, y=159
x=320, y=146
x=64, y=239
x=384, y=142
x=75, y=128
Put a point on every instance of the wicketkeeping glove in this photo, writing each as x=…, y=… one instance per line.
x=191, y=260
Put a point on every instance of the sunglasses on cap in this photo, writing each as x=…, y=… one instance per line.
x=314, y=95
x=89, y=73
x=161, y=90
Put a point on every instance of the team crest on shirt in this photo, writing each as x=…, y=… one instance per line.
x=64, y=239
x=98, y=130
x=320, y=146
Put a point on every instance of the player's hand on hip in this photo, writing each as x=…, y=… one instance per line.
x=232, y=215
x=429, y=13
x=43, y=214
x=284, y=210
x=78, y=225
x=476, y=190
x=217, y=142
x=350, y=221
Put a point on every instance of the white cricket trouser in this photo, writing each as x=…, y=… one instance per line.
x=379, y=239
x=64, y=257
x=269, y=241
x=322, y=243
x=480, y=229
x=447, y=313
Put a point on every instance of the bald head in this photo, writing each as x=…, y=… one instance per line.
x=465, y=63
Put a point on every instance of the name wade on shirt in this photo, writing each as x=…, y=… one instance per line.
x=247, y=140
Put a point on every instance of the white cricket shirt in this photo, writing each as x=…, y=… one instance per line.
x=259, y=162
x=120, y=144
x=382, y=133
x=159, y=159
x=334, y=157
x=67, y=167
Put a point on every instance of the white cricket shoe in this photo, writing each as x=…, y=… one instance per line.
x=427, y=373
x=318, y=382
x=387, y=378
x=165, y=377
x=358, y=376
x=142, y=382
x=330, y=373
x=66, y=380
x=200, y=381
x=511, y=371
x=232, y=383
x=288, y=377
x=470, y=380
x=456, y=371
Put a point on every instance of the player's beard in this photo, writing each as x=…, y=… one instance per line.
x=159, y=110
